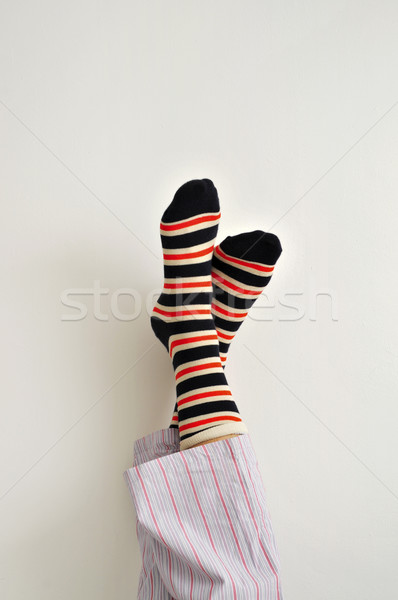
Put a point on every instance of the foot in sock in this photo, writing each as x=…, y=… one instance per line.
x=182, y=317
x=242, y=267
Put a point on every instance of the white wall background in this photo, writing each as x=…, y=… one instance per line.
x=106, y=108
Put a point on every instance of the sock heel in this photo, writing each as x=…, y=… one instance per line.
x=161, y=330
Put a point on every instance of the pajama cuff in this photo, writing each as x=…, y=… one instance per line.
x=202, y=521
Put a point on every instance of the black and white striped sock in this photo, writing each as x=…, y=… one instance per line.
x=182, y=317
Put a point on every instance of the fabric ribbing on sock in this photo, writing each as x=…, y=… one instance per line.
x=182, y=318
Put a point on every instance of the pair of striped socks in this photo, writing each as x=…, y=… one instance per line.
x=206, y=295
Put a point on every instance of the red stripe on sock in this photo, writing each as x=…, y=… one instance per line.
x=226, y=337
x=188, y=255
x=244, y=263
x=194, y=221
x=198, y=368
x=234, y=287
x=211, y=420
x=191, y=284
x=201, y=338
x=181, y=313
x=227, y=312
x=204, y=395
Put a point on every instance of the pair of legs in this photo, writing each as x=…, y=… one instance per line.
x=202, y=521
x=207, y=294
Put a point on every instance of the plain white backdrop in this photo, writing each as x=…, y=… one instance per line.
x=106, y=108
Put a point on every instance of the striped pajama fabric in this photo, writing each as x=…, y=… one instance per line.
x=203, y=525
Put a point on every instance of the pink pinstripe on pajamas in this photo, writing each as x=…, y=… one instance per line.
x=203, y=526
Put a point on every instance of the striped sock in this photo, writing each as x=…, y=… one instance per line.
x=182, y=318
x=241, y=268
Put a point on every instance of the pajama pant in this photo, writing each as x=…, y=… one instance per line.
x=203, y=526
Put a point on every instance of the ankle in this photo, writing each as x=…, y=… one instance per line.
x=218, y=439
